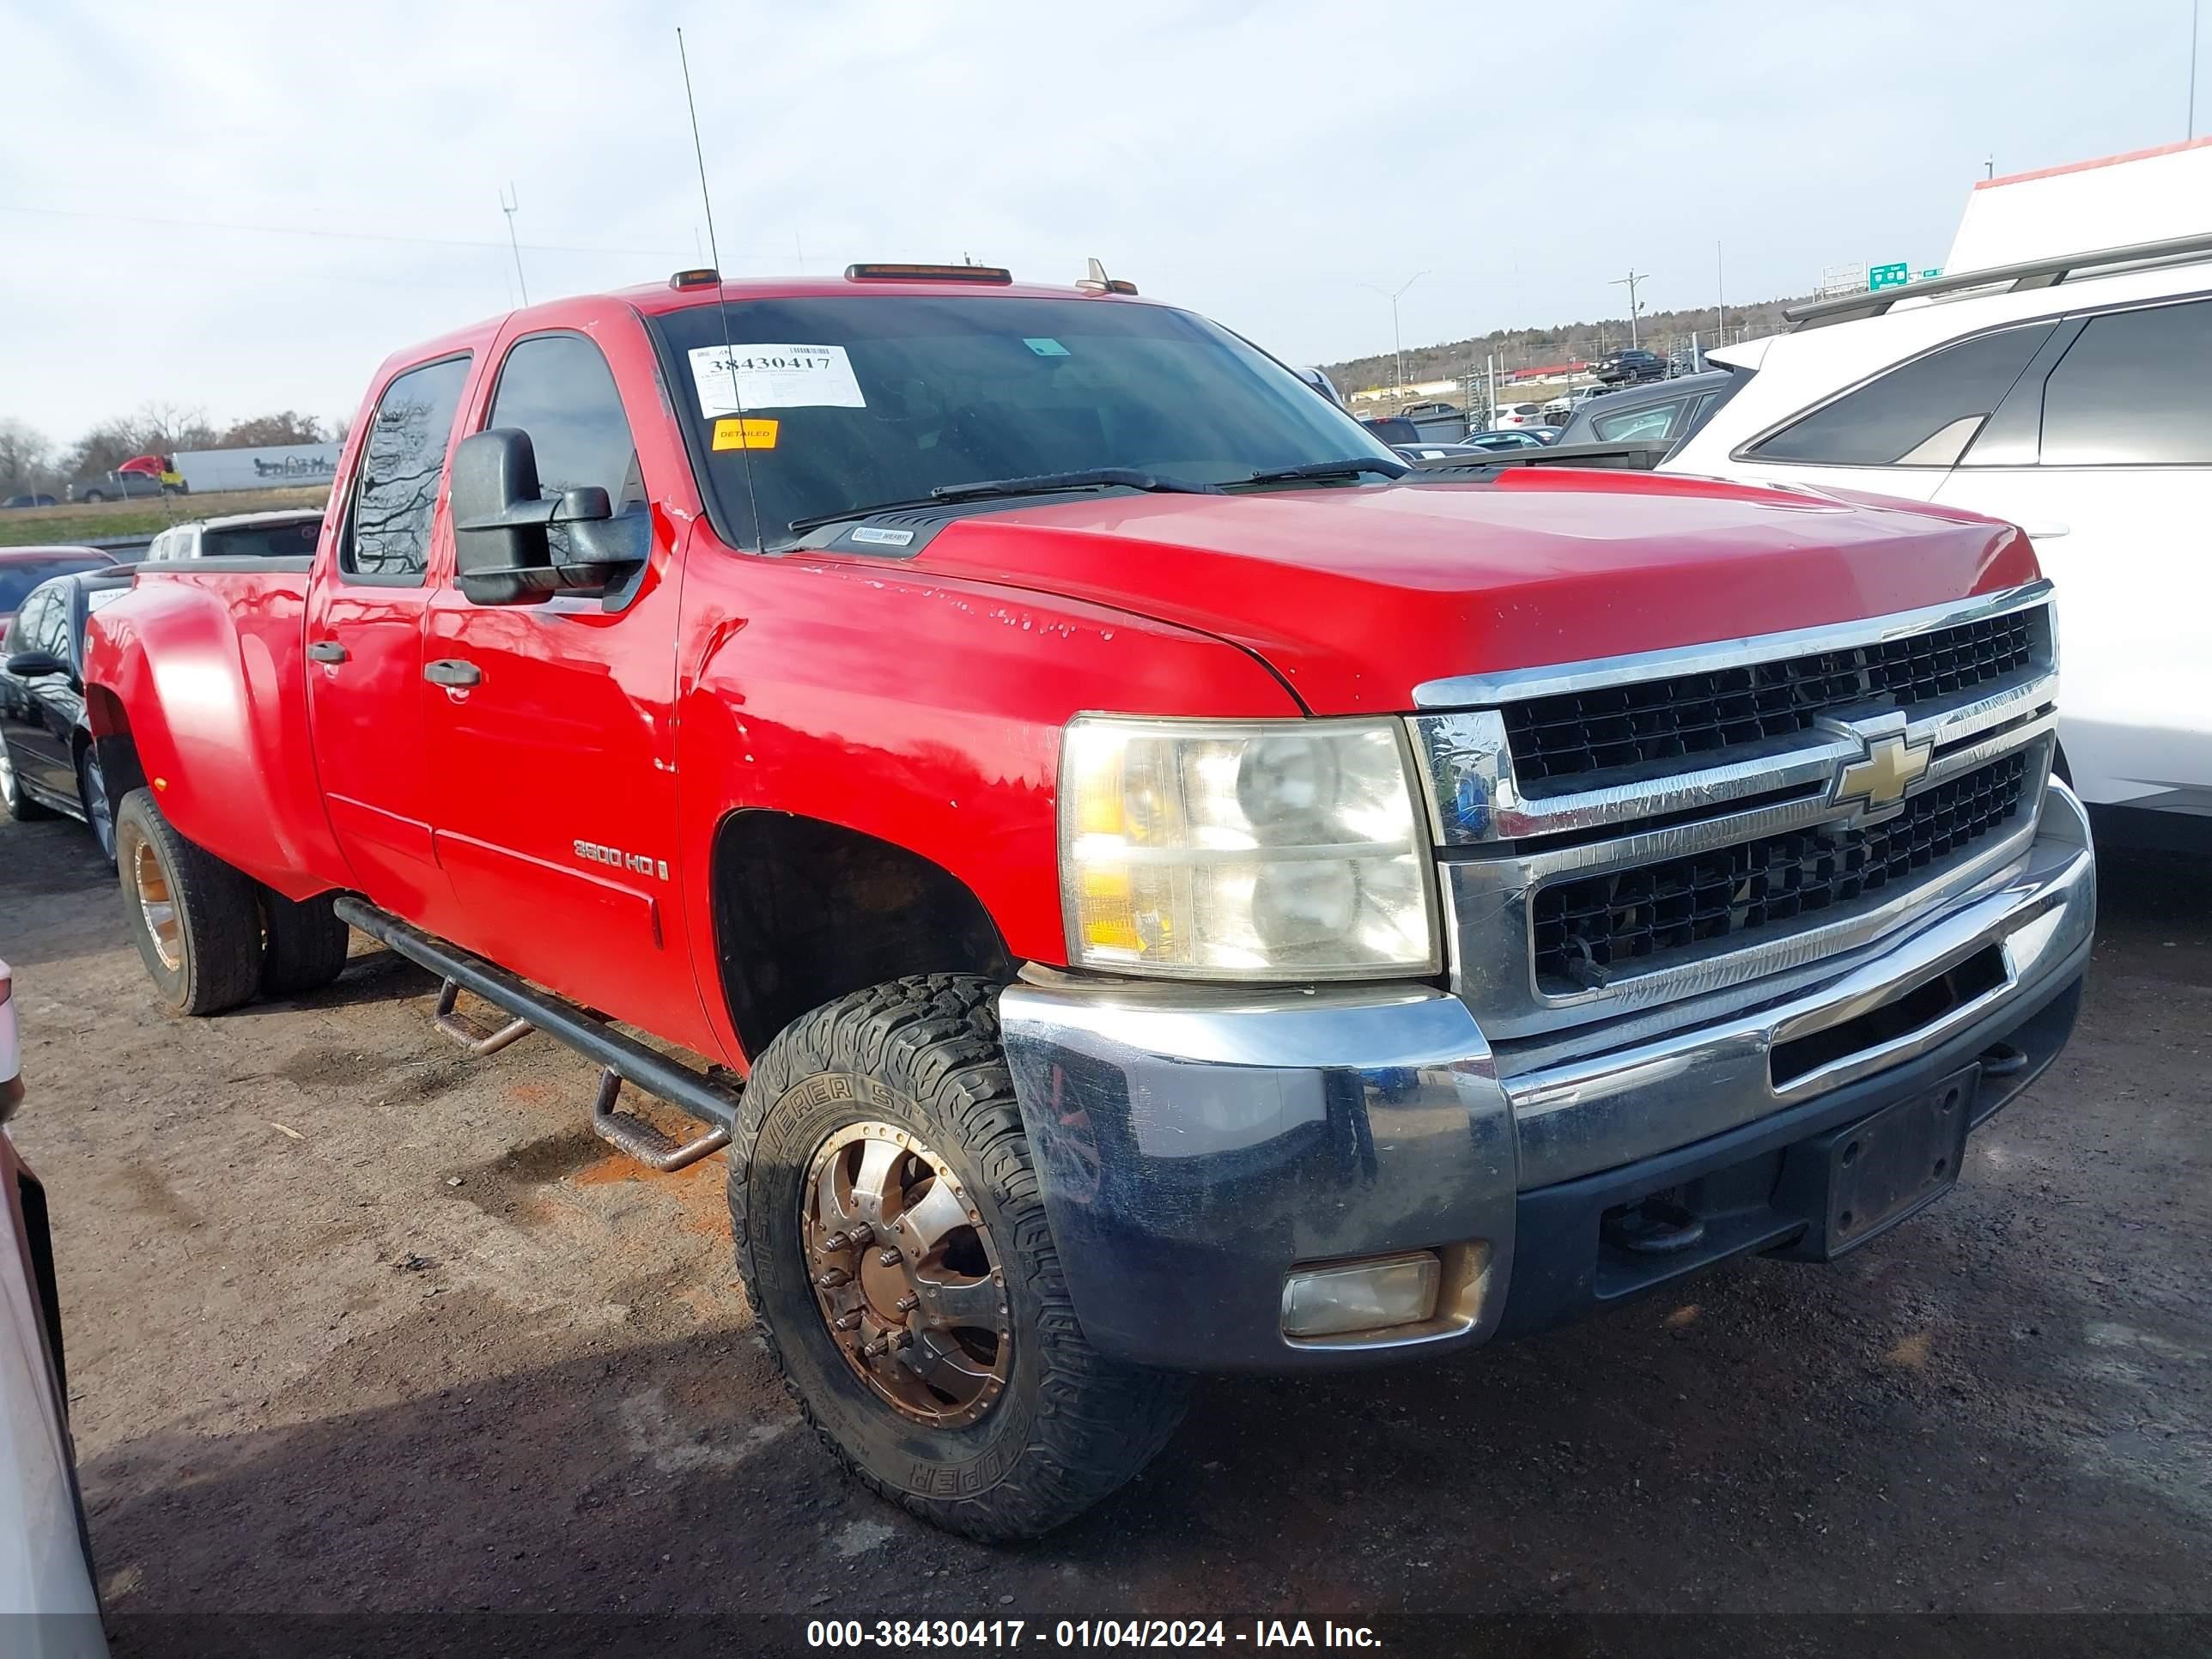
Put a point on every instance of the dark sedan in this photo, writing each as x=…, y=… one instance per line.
x=48, y=763
x=23, y=568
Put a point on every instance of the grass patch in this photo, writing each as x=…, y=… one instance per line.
x=84, y=521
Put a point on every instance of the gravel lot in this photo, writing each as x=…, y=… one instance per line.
x=357, y=1324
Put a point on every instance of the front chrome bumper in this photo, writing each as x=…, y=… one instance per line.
x=1196, y=1144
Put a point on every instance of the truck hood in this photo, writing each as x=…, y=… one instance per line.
x=1355, y=596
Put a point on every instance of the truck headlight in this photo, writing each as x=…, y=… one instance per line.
x=1286, y=849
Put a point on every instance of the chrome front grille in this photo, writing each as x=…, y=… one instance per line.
x=1576, y=732
x=1587, y=930
x=1725, y=851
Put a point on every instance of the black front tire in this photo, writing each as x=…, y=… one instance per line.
x=303, y=946
x=92, y=793
x=195, y=920
x=1070, y=1426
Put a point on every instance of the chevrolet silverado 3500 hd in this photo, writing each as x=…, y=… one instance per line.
x=1145, y=884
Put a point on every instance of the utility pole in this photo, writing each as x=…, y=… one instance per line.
x=1989, y=167
x=1397, y=345
x=1630, y=281
x=1720, y=288
x=508, y=202
x=2196, y=16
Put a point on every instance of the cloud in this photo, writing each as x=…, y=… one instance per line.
x=1258, y=162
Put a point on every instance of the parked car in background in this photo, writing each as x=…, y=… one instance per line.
x=28, y=501
x=2071, y=395
x=48, y=760
x=1633, y=364
x=142, y=474
x=48, y=1606
x=1561, y=410
x=1543, y=434
x=1392, y=430
x=1415, y=412
x=287, y=534
x=1662, y=411
x=1508, y=416
x=23, y=568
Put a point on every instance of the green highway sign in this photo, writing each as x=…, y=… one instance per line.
x=1929, y=274
x=1895, y=275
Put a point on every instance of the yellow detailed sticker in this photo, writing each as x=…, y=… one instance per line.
x=746, y=433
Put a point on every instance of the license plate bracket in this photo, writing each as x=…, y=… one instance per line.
x=1855, y=1184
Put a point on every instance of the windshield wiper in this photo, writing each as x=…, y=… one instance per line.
x=1350, y=467
x=1043, y=483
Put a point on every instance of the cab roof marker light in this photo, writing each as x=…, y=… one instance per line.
x=699, y=276
x=992, y=274
x=1096, y=281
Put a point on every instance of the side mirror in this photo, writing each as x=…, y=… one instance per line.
x=500, y=550
x=38, y=665
x=512, y=545
x=592, y=547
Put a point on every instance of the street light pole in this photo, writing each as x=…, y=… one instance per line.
x=1630, y=281
x=1397, y=344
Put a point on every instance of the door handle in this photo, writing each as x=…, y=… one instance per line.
x=2048, y=531
x=452, y=671
x=326, y=651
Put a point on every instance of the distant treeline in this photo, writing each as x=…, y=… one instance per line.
x=1526, y=348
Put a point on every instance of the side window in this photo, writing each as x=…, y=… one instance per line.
x=2136, y=387
x=388, y=529
x=49, y=629
x=30, y=621
x=558, y=389
x=1654, y=423
x=1923, y=413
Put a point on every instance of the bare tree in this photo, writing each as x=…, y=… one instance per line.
x=285, y=426
x=164, y=428
x=26, y=456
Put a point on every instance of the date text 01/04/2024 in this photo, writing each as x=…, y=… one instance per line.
x=1083, y=1633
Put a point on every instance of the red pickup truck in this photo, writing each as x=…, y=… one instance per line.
x=1140, y=881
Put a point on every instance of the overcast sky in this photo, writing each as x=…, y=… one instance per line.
x=1258, y=162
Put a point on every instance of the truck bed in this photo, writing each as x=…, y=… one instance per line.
x=229, y=759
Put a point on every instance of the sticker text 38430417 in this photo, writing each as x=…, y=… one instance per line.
x=739, y=379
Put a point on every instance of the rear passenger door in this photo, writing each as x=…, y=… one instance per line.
x=2103, y=455
x=364, y=644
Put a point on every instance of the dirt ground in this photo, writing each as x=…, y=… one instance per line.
x=357, y=1324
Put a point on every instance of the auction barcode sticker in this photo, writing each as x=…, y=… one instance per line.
x=739, y=379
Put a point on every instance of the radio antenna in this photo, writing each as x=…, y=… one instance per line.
x=721, y=306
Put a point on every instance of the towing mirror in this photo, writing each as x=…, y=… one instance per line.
x=37, y=666
x=514, y=545
x=592, y=546
x=500, y=550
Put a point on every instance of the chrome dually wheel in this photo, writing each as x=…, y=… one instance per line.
x=906, y=1275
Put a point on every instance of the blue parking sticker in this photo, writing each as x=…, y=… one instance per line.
x=1046, y=348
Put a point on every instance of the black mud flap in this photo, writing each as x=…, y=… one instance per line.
x=1856, y=1183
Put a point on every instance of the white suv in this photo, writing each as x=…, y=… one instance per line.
x=2072, y=397
x=288, y=533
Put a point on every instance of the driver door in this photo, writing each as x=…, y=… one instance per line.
x=552, y=724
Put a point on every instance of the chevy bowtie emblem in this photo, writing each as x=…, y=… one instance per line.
x=1882, y=775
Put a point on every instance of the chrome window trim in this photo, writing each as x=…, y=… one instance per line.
x=1518, y=685
x=1489, y=900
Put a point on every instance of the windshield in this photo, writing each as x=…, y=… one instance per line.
x=18, y=577
x=853, y=400
x=262, y=541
